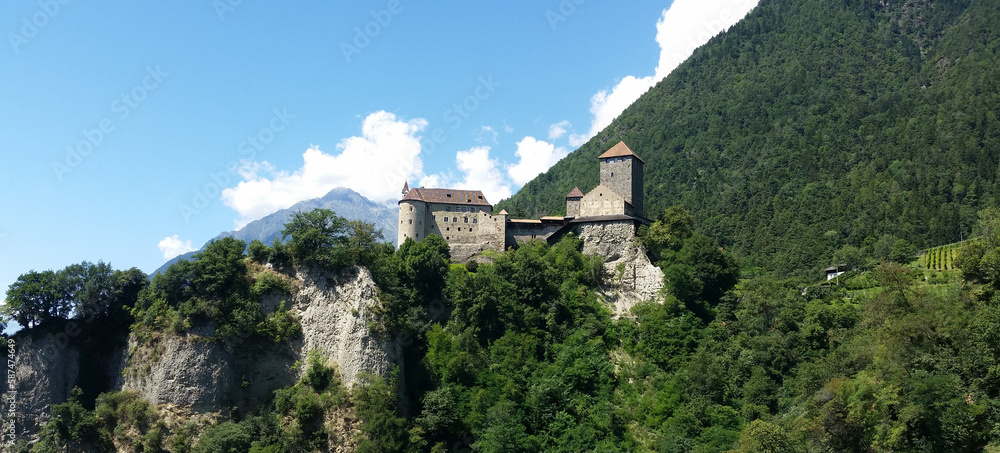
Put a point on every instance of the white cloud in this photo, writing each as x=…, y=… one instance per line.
x=481, y=173
x=558, y=130
x=685, y=26
x=535, y=157
x=486, y=134
x=375, y=165
x=172, y=246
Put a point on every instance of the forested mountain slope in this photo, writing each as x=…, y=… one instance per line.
x=812, y=124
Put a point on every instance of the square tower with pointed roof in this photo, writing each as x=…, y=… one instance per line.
x=622, y=172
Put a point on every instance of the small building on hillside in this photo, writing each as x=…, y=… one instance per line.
x=833, y=271
x=465, y=219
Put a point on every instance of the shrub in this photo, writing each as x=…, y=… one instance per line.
x=227, y=437
x=260, y=252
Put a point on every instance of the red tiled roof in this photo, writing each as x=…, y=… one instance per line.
x=575, y=193
x=619, y=150
x=453, y=196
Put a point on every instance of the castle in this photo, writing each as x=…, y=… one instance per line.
x=465, y=219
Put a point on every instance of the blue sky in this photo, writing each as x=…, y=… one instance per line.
x=133, y=131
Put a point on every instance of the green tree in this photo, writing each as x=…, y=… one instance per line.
x=34, y=298
x=902, y=252
x=668, y=232
x=763, y=437
x=849, y=256
x=383, y=428
x=317, y=237
x=219, y=269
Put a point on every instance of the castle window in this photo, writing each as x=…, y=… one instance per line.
x=411, y=221
x=466, y=220
x=445, y=219
x=447, y=208
x=418, y=235
x=459, y=228
x=454, y=219
x=475, y=220
x=612, y=174
x=448, y=229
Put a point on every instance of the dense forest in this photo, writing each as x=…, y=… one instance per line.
x=814, y=124
x=525, y=356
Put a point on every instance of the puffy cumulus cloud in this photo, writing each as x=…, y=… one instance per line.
x=482, y=173
x=685, y=26
x=535, y=156
x=479, y=172
x=558, y=129
x=376, y=165
x=172, y=246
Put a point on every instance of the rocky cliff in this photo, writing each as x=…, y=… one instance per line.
x=631, y=278
x=337, y=315
x=46, y=367
x=188, y=373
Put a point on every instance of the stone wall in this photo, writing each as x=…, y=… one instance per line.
x=602, y=201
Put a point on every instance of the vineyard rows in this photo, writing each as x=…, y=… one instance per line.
x=942, y=258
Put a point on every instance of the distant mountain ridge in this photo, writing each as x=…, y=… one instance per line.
x=345, y=202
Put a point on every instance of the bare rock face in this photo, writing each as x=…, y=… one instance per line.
x=183, y=370
x=46, y=367
x=337, y=315
x=337, y=319
x=631, y=278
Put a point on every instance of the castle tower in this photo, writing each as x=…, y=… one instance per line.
x=412, y=211
x=573, y=202
x=621, y=170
